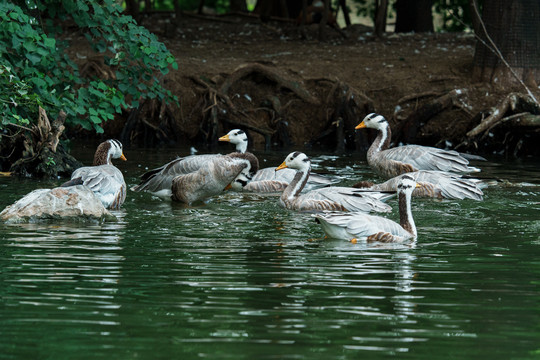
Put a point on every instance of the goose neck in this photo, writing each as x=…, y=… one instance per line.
x=382, y=141
x=241, y=147
x=297, y=184
x=405, y=213
x=102, y=156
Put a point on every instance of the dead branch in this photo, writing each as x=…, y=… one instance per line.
x=512, y=102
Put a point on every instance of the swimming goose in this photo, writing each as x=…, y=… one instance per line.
x=392, y=162
x=159, y=181
x=213, y=177
x=103, y=178
x=335, y=198
x=358, y=226
x=268, y=180
x=435, y=184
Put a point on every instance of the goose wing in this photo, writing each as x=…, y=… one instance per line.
x=343, y=199
x=360, y=226
x=265, y=186
x=429, y=158
x=451, y=186
x=438, y=184
x=106, y=181
x=210, y=179
x=160, y=179
x=286, y=175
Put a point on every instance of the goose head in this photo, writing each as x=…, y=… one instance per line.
x=373, y=121
x=237, y=137
x=296, y=160
x=107, y=150
x=407, y=185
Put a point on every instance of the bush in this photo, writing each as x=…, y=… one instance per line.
x=36, y=70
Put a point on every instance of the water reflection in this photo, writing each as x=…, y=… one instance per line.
x=62, y=274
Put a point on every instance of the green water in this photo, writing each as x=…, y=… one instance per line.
x=242, y=278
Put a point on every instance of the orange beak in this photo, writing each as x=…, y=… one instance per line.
x=282, y=166
x=122, y=157
x=224, y=138
x=228, y=187
x=360, y=126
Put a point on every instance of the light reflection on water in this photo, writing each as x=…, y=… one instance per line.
x=241, y=278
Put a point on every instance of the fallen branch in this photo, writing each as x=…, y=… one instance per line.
x=513, y=102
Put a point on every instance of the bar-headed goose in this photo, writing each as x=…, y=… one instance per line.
x=435, y=184
x=159, y=181
x=392, y=162
x=103, y=178
x=267, y=180
x=213, y=177
x=358, y=226
x=334, y=198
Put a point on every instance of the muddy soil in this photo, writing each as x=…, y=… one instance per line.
x=346, y=76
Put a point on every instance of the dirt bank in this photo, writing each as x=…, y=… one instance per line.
x=293, y=92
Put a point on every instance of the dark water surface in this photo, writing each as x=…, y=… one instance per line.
x=242, y=278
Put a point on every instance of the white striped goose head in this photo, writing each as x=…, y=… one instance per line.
x=107, y=150
x=406, y=185
x=296, y=160
x=373, y=121
x=237, y=137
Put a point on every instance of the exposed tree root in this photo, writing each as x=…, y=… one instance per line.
x=35, y=152
x=152, y=123
x=408, y=128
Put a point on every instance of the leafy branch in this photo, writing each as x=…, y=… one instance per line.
x=37, y=71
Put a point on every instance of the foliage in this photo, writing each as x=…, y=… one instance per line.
x=18, y=104
x=36, y=69
x=449, y=10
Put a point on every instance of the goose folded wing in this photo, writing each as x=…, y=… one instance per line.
x=266, y=186
x=161, y=178
x=429, y=158
x=349, y=198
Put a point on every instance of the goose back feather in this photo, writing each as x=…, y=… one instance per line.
x=212, y=178
x=436, y=184
x=360, y=226
x=103, y=178
x=391, y=162
x=328, y=198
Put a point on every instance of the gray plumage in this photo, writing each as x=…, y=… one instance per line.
x=359, y=226
x=104, y=179
x=267, y=180
x=285, y=176
x=212, y=178
x=436, y=184
x=328, y=198
x=392, y=162
x=159, y=181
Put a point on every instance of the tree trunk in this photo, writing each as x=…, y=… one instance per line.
x=514, y=28
x=381, y=8
x=324, y=19
x=238, y=5
x=345, y=10
x=414, y=15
